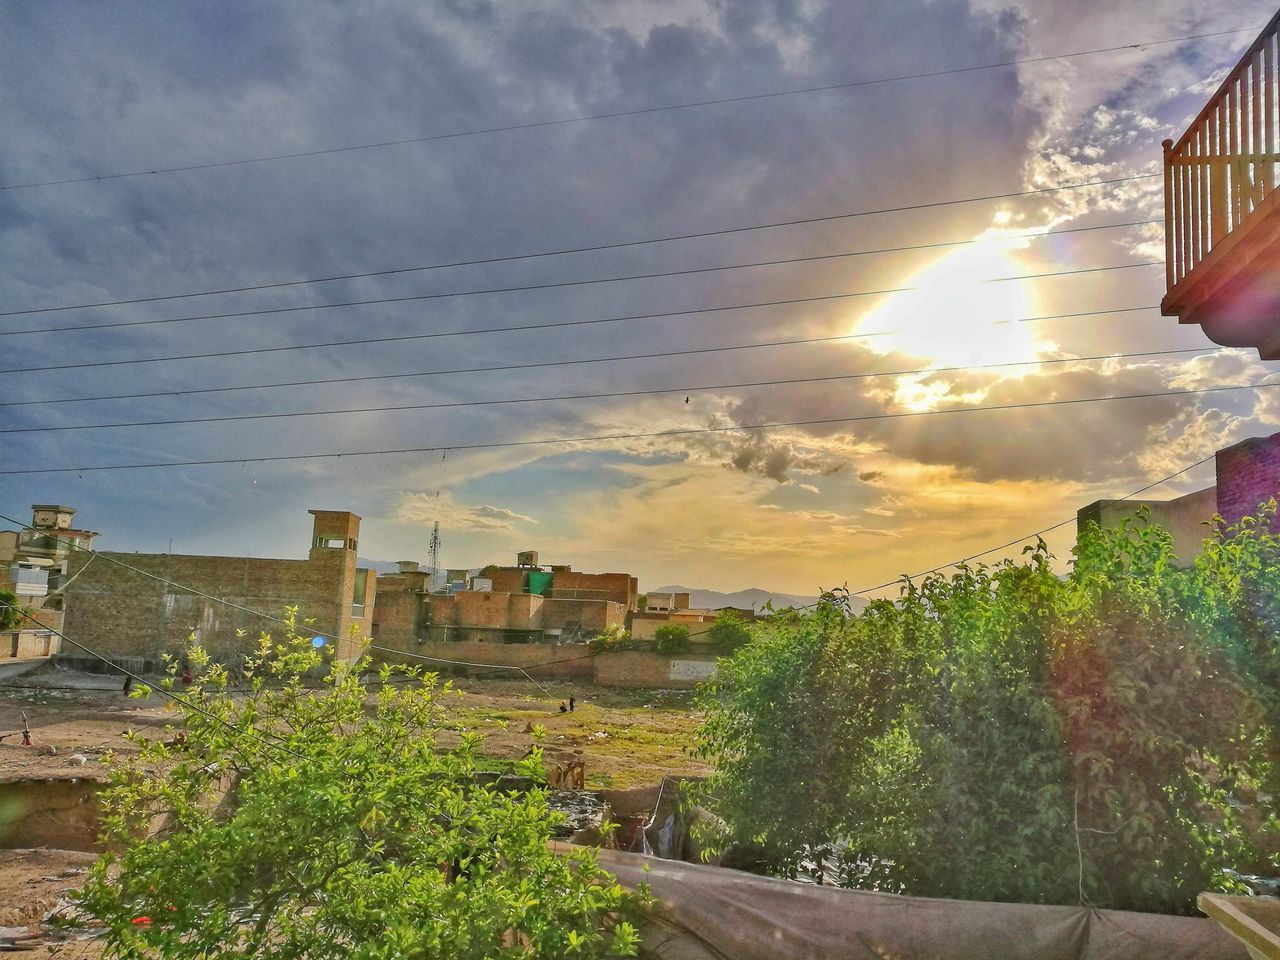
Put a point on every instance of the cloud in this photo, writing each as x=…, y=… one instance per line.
x=426, y=508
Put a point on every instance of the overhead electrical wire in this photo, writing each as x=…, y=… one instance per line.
x=614, y=245
x=781, y=261
x=192, y=391
x=891, y=291
x=656, y=434
x=612, y=115
x=699, y=388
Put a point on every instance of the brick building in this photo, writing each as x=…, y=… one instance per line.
x=526, y=603
x=119, y=612
x=1248, y=475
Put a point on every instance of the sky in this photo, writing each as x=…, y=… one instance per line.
x=92, y=90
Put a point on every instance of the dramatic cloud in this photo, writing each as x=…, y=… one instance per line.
x=429, y=508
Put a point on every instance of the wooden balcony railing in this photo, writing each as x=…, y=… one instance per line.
x=1222, y=169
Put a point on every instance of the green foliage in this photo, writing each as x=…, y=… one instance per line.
x=612, y=640
x=729, y=632
x=328, y=821
x=671, y=638
x=1004, y=733
x=10, y=617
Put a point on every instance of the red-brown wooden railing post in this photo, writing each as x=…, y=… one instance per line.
x=1169, y=226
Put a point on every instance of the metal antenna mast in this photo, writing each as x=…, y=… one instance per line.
x=433, y=554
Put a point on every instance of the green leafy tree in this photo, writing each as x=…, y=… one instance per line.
x=671, y=638
x=328, y=821
x=612, y=640
x=729, y=632
x=10, y=615
x=1005, y=733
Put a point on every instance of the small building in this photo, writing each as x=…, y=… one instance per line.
x=33, y=565
x=120, y=612
x=1248, y=476
x=1222, y=210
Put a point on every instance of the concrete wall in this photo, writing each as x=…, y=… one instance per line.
x=1184, y=518
x=572, y=661
x=1248, y=476
x=21, y=644
x=655, y=670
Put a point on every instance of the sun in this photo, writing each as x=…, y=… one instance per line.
x=959, y=313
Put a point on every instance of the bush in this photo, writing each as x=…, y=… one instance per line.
x=729, y=632
x=613, y=640
x=671, y=638
x=10, y=612
x=332, y=823
x=1006, y=734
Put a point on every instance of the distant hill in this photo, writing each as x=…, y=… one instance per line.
x=753, y=598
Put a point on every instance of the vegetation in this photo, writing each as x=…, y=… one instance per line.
x=1006, y=734
x=671, y=638
x=612, y=640
x=329, y=823
x=729, y=632
x=10, y=611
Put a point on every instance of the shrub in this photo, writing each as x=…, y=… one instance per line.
x=612, y=640
x=729, y=632
x=671, y=638
x=1003, y=733
x=331, y=823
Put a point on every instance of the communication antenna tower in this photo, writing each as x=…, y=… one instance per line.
x=433, y=554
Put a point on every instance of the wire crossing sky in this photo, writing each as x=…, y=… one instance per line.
x=693, y=290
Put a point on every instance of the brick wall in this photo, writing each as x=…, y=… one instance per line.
x=594, y=615
x=117, y=611
x=1248, y=475
x=400, y=615
x=634, y=668
x=618, y=587
x=539, y=659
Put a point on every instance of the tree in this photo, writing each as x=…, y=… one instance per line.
x=611, y=640
x=1003, y=733
x=10, y=611
x=729, y=632
x=671, y=638
x=330, y=822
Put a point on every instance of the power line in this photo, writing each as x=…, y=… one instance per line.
x=537, y=364
x=612, y=115
x=604, y=396
x=1037, y=534
x=184, y=701
x=467, y=293
x=604, y=438
x=235, y=353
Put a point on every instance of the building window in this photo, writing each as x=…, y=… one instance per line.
x=358, y=593
x=332, y=543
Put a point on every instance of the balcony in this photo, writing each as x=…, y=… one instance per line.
x=1222, y=215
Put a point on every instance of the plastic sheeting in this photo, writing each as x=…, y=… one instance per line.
x=712, y=913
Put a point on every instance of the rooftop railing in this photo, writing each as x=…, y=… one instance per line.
x=1225, y=166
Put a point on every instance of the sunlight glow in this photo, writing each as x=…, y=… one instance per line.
x=957, y=319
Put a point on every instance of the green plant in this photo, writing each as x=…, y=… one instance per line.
x=729, y=632
x=1005, y=733
x=612, y=640
x=328, y=821
x=671, y=638
x=10, y=611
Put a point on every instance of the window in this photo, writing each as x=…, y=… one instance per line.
x=333, y=543
x=358, y=593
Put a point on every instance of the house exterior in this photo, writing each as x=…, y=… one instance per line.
x=34, y=565
x=1248, y=476
x=1222, y=210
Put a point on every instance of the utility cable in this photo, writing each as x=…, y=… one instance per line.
x=559, y=284
x=612, y=115
x=150, y=686
x=232, y=353
x=1031, y=536
x=535, y=364
x=489, y=261
x=453, y=404
x=657, y=434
